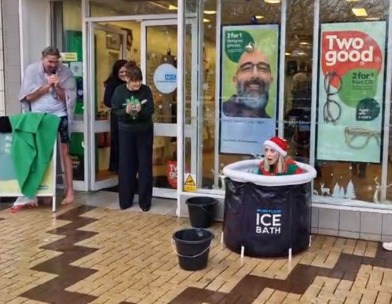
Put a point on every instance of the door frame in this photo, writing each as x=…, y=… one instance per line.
x=97, y=126
x=170, y=129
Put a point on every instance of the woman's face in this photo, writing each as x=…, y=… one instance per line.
x=122, y=74
x=134, y=85
x=271, y=155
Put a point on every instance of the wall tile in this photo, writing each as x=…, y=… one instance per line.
x=371, y=223
x=10, y=25
x=386, y=224
x=386, y=238
x=315, y=217
x=328, y=232
x=349, y=234
x=349, y=220
x=328, y=219
x=2, y=81
x=370, y=237
x=12, y=74
x=11, y=6
x=13, y=58
x=12, y=41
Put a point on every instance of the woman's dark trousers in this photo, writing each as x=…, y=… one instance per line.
x=135, y=158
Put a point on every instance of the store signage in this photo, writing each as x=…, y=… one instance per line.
x=248, y=107
x=69, y=56
x=189, y=184
x=351, y=91
x=165, y=78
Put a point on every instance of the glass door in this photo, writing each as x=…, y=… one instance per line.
x=107, y=44
x=159, y=66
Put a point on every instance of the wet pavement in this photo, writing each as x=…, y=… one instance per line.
x=87, y=254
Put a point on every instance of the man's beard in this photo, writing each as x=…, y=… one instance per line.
x=253, y=99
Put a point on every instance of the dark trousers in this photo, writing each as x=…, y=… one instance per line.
x=135, y=158
x=113, y=161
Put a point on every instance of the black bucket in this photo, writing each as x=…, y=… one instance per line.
x=202, y=211
x=193, y=247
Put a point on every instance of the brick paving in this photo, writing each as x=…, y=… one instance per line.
x=94, y=255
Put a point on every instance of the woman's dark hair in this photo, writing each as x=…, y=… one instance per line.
x=134, y=73
x=116, y=68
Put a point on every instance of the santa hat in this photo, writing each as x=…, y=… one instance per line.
x=278, y=144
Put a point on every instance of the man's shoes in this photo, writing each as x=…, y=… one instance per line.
x=387, y=246
x=144, y=209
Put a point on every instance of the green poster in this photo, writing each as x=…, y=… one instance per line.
x=351, y=91
x=249, y=81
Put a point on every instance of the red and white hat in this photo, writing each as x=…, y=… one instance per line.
x=278, y=144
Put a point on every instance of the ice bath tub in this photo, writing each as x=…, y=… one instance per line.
x=267, y=216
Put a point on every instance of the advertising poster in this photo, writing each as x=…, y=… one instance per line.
x=248, y=87
x=351, y=91
x=9, y=185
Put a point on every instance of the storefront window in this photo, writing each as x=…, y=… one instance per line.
x=346, y=112
x=249, y=30
x=103, y=8
x=298, y=77
x=351, y=102
x=67, y=36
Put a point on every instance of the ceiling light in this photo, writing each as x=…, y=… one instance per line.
x=272, y=1
x=352, y=0
x=359, y=12
x=259, y=17
x=206, y=20
x=172, y=7
x=373, y=18
x=207, y=12
x=304, y=43
x=287, y=54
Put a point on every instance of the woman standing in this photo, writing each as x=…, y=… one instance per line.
x=133, y=104
x=116, y=78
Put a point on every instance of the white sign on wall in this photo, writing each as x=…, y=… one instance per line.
x=165, y=78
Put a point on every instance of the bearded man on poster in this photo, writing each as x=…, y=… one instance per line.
x=252, y=81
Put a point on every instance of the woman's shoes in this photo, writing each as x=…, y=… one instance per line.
x=146, y=209
x=124, y=207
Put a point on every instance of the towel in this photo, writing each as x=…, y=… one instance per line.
x=33, y=139
x=34, y=78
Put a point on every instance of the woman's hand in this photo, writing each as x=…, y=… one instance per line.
x=133, y=108
x=138, y=107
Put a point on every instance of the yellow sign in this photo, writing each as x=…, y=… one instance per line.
x=69, y=56
x=190, y=184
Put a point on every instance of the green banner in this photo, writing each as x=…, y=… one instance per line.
x=351, y=91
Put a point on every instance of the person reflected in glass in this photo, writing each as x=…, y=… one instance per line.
x=276, y=161
x=252, y=81
x=116, y=78
x=133, y=104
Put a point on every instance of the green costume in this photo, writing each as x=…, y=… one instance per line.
x=33, y=139
x=290, y=168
